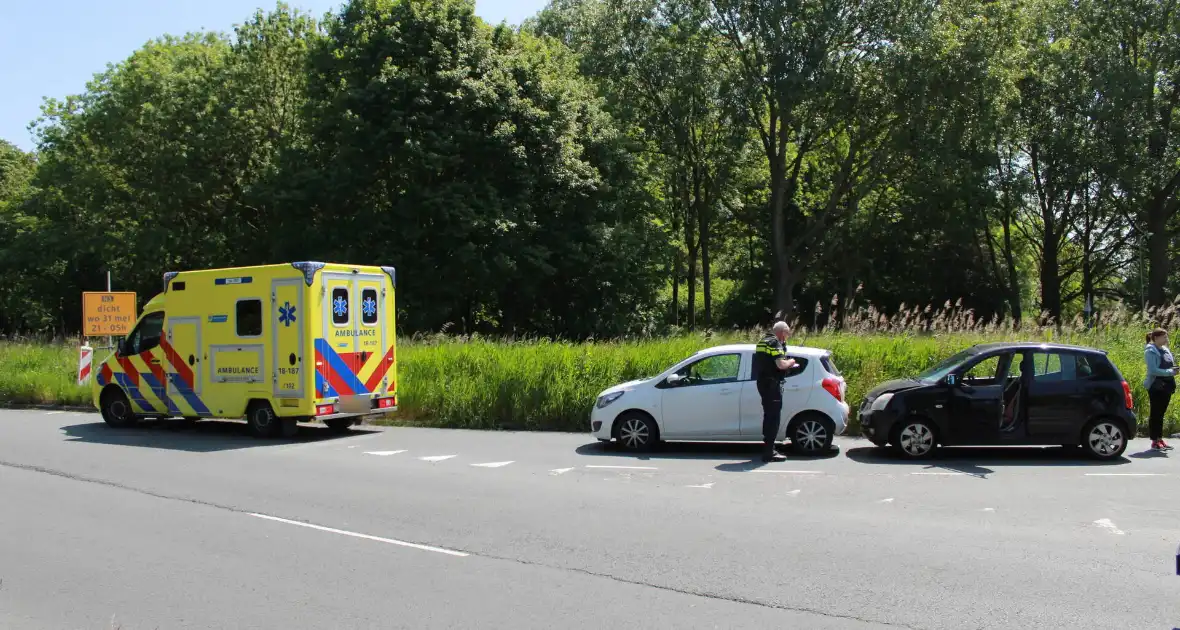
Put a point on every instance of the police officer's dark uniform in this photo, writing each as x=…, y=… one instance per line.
x=769, y=379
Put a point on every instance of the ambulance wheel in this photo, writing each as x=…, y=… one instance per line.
x=339, y=425
x=115, y=408
x=262, y=421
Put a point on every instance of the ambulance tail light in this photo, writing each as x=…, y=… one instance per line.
x=325, y=410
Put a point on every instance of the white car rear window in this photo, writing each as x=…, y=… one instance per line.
x=830, y=365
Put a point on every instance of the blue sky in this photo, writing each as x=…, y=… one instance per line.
x=54, y=49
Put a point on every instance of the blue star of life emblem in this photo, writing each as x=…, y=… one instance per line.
x=286, y=314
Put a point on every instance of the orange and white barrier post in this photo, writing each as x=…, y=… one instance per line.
x=85, y=358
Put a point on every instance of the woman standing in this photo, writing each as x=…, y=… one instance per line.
x=1160, y=384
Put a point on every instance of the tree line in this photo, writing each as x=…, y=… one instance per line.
x=625, y=166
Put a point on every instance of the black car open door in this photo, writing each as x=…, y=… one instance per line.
x=976, y=401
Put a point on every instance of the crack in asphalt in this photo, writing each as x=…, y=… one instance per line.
x=478, y=554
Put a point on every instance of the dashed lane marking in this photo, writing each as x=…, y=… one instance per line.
x=492, y=464
x=436, y=458
x=706, y=486
x=383, y=453
x=391, y=541
x=625, y=467
x=794, y=493
x=559, y=471
x=54, y=413
x=988, y=510
x=1106, y=524
x=889, y=500
x=1126, y=474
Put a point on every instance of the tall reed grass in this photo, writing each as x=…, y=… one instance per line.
x=541, y=384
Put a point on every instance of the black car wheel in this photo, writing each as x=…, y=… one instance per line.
x=636, y=432
x=1104, y=438
x=914, y=438
x=811, y=434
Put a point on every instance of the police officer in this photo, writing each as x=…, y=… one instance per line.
x=770, y=368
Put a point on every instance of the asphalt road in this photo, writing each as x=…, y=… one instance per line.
x=171, y=527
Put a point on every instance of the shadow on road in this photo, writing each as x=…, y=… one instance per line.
x=201, y=437
x=750, y=452
x=981, y=461
x=1148, y=454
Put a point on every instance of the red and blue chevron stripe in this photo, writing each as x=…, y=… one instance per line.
x=334, y=372
x=182, y=379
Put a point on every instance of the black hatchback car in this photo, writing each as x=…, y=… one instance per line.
x=1004, y=394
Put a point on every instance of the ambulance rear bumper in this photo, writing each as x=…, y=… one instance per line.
x=375, y=412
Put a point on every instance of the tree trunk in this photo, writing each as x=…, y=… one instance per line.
x=1013, y=273
x=1051, y=275
x=703, y=218
x=783, y=285
x=1157, y=251
x=677, y=257
x=690, y=241
x=676, y=288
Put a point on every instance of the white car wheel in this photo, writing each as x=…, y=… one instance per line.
x=811, y=434
x=636, y=432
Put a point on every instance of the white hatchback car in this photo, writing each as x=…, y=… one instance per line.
x=711, y=397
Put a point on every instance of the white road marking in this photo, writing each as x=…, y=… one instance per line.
x=54, y=413
x=705, y=485
x=383, y=453
x=1126, y=474
x=492, y=464
x=791, y=472
x=989, y=509
x=889, y=500
x=559, y=471
x=1106, y=524
x=342, y=532
x=353, y=446
x=626, y=467
x=941, y=473
x=794, y=493
x=436, y=458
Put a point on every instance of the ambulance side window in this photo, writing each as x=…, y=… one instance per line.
x=369, y=307
x=249, y=318
x=340, y=306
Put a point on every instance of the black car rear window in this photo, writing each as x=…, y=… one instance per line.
x=1095, y=368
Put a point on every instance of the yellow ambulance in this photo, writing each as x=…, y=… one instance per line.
x=276, y=344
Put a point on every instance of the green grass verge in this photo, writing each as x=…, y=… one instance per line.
x=541, y=385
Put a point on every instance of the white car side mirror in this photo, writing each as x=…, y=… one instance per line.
x=674, y=379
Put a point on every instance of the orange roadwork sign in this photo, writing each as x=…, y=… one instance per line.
x=106, y=314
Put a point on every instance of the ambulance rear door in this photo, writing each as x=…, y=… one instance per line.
x=354, y=338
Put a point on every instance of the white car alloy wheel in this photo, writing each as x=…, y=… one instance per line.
x=810, y=435
x=1106, y=439
x=915, y=439
x=634, y=433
